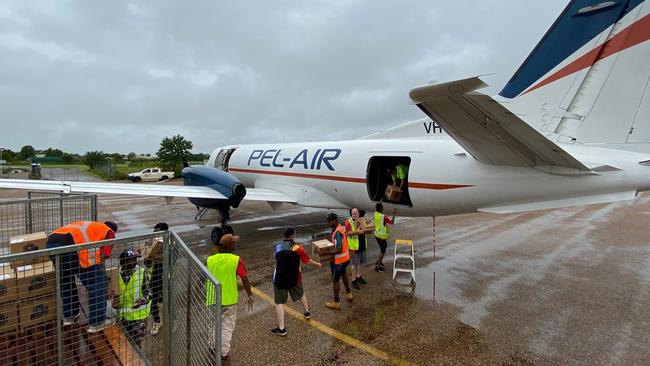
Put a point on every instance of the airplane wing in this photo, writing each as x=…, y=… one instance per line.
x=486, y=129
x=158, y=190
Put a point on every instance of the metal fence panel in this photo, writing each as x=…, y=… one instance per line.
x=48, y=304
x=195, y=325
x=43, y=211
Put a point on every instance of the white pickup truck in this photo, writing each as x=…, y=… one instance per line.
x=149, y=174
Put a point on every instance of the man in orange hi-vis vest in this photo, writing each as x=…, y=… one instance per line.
x=339, y=263
x=88, y=265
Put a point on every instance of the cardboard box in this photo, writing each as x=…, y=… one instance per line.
x=153, y=249
x=28, y=243
x=35, y=280
x=8, y=290
x=114, y=280
x=393, y=193
x=318, y=249
x=366, y=225
x=37, y=310
x=8, y=318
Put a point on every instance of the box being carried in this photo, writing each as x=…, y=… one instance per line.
x=366, y=225
x=319, y=249
x=35, y=280
x=28, y=243
x=393, y=193
x=152, y=249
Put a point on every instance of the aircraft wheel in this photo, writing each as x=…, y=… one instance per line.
x=216, y=235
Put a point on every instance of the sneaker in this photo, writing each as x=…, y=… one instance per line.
x=279, y=332
x=348, y=296
x=70, y=320
x=307, y=315
x=361, y=281
x=380, y=269
x=334, y=305
x=95, y=328
x=109, y=321
x=355, y=284
x=155, y=328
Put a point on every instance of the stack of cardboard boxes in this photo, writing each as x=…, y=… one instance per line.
x=27, y=287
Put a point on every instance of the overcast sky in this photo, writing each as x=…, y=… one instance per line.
x=119, y=76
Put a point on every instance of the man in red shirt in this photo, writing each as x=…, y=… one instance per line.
x=287, y=277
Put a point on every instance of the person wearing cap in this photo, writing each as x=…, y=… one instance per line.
x=287, y=277
x=339, y=263
x=226, y=267
x=134, y=300
x=154, y=265
x=88, y=266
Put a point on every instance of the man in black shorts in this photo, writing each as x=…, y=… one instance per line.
x=287, y=277
x=339, y=263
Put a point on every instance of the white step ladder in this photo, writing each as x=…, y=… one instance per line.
x=404, y=249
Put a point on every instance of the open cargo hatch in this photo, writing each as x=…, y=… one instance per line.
x=379, y=178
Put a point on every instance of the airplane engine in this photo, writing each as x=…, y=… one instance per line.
x=219, y=180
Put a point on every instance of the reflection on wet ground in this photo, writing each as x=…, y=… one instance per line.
x=567, y=286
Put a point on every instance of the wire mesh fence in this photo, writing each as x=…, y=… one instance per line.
x=114, y=302
x=43, y=211
x=194, y=295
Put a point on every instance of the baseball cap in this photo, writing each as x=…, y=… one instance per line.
x=129, y=253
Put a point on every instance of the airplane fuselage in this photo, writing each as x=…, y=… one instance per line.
x=442, y=179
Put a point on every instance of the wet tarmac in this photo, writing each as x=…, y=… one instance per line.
x=553, y=287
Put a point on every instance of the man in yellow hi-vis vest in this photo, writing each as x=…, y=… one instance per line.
x=134, y=301
x=382, y=232
x=225, y=267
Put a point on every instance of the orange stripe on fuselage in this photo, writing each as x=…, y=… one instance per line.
x=435, y=186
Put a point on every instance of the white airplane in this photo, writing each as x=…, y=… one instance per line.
x=571, y=127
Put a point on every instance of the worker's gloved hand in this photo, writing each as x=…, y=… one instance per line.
x=139, y=303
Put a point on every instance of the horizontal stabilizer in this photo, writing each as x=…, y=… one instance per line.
x=486, y=129
x=568, y=202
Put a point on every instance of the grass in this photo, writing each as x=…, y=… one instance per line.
x=121, y=169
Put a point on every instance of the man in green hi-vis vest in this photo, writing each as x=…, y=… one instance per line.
x=225, y=267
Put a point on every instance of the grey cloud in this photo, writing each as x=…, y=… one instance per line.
x=119, y=76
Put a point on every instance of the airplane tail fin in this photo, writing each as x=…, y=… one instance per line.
x=588, y=79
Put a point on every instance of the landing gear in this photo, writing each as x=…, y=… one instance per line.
x=200, y=214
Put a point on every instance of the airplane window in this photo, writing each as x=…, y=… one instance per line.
x=387, y=179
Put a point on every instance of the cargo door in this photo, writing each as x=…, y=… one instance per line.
x=379, y=178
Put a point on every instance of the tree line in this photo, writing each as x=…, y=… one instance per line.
x=169, y=156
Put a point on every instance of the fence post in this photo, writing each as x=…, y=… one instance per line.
x=93, y=207
x=59, y=310
x=30, y=223
x=217, y=320
x=61, y=211
x=188, y=317
x=167, y=300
